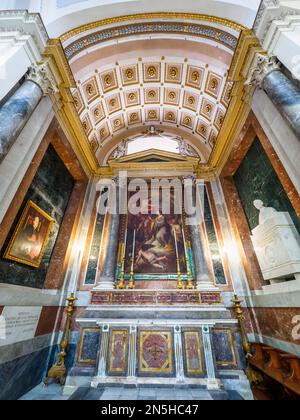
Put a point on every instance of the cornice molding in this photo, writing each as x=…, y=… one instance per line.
x=148, y=16
x=25, y=24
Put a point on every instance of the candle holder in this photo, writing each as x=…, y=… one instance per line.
x=131, y=280
x=59, y=370
x=121, y=284
x=240, y=317
x=180, y=285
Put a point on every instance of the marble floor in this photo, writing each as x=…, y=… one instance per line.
x=117, y=393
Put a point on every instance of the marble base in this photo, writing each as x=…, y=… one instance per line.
x=205, y=383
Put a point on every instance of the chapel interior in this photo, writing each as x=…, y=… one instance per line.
x=102, y=101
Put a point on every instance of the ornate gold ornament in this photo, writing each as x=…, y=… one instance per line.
x=108, y=80
x=152, y=71
x=173, y=72
x=195, y=76
x=129, y=73
x=132, y=97
x=172, y=96
x=90, y=89
x=148, y=16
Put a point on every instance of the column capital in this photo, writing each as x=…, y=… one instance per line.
x=40, y=74
x=262, y=65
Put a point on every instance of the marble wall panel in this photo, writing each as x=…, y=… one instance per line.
x=50, y=189
x=194, y=365
x=256, y=179
x=118, y=352
x=223, y=341
x=156, y=353
x=88, y=346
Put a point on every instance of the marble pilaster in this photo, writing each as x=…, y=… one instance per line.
x=178, y=353
x=199, y=243
x=209, y=360
x=103, y=352
x=15, y=113
x=132, y=352
x=108, y=270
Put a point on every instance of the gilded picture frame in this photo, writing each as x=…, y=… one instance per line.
x=29, y=240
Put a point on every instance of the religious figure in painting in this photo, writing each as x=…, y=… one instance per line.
x=155, y=251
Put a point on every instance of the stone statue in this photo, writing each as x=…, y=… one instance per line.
x=184, y=148
x=265, y=213
x=120, y=151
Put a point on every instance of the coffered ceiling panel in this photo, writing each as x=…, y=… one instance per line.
x=162, y=91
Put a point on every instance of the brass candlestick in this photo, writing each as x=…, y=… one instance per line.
x=121, y=284
x=190, y=284
x=240, y=317
x=131, y=280
x=180, y=285
x=58, y=371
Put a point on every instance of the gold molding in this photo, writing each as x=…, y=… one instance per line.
x=146, y=16
x=240, y=103
x=64, y=107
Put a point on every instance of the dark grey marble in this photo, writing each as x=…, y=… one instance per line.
x=21, y=375
x=15, y=113
x=217, y=263
x=286, y=96
x=51, y=189
x=256, y=179
x=91, y=272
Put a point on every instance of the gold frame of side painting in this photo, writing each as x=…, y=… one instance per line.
x=29, y=240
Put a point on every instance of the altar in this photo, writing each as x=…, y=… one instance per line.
x=156, y=313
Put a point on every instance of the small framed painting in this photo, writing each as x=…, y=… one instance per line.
x=28, y=243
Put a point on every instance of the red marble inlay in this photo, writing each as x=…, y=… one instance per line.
x=47, y=320
x=156, y=298
x=156, y=352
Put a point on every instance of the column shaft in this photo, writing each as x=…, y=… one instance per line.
x=15, y=113
x=199, y=242
x=132, y=352
x=286, y=96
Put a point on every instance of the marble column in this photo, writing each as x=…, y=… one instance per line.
x=204, y=281
x=107, y=278
x=209, y=359
x=266, y=73
x=15, y=113
x=285, y=94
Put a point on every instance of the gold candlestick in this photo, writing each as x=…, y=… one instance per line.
x=58, y=371
x=121, y=284
x=179, y=281
x=131, y=280
x=190, y=285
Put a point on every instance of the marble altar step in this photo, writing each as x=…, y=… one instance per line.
x=149, y=313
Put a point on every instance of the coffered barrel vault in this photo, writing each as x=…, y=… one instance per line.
x=170, y=73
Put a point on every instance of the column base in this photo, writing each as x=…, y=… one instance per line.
x=206, y=285
x=107, y=284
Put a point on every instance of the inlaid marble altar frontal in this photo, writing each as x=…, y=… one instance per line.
x=88, y=345
x=224, y=348
x=156, y=353
x=193, y=354
x=118, y=349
